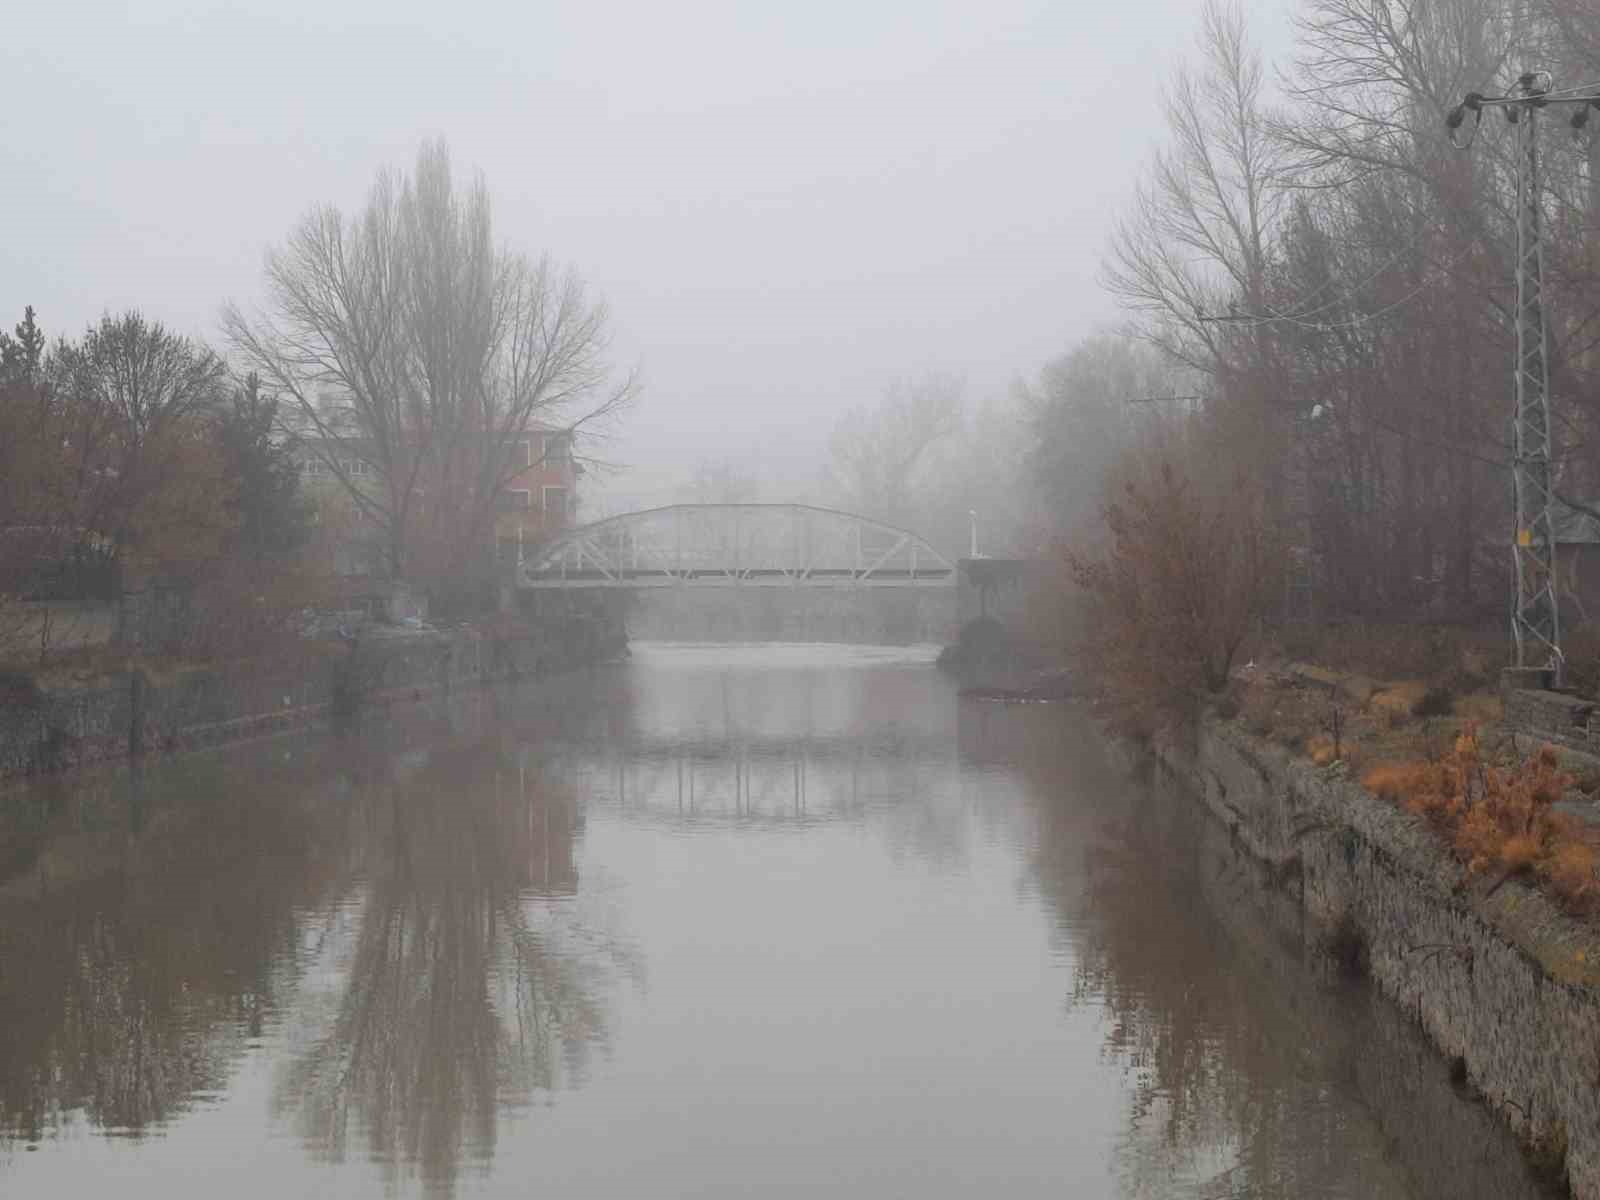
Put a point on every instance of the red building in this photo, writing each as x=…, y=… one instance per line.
x=541, y=500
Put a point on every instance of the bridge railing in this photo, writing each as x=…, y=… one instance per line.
x=738, y=545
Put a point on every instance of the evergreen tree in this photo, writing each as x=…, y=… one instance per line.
x=22, y=355
x=273, y=517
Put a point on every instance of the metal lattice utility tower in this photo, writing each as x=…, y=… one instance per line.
x=1535, y=617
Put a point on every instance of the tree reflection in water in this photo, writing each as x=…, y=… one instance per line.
x=142, y=939
x=472, y=980
x=153, y=930
x=1253, y=1069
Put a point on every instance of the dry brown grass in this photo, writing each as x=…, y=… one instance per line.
x=1484, y=708
x=1305, y=717
x=1388, y=650
x=1322, y=749
x=1395, y=692
x=1399, y=699
x=1287, y=714
x=1416, y=741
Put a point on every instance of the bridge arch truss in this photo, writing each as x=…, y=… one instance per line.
x=737, y=545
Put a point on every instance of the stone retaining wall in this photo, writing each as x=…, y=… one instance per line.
x=1501, y=980
x=137, y=711
x=1554, y=716
x=1451, y=1148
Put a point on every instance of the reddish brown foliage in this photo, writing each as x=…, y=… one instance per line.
x=1186, y=571
x=1497, y=817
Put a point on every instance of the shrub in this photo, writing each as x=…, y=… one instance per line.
x=1397, y=781
x=1571, y=871
x=1186, y=572
x=1497, y=818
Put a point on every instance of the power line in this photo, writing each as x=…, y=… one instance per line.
x=1257, y=319
x=1251, y=320
x=1591, y=90
x=1536, y=92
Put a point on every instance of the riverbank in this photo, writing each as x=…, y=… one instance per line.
x=54, y=721
x=1502, y=981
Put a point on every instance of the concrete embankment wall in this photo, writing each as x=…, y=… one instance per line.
x=1502, y=981
x=60, y=726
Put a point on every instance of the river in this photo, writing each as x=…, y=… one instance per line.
x=717, y=921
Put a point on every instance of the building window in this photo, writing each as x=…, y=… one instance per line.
x=523, y=454
x=357, y=467
x=557, y=448
x=555, y=501
x=519, y=500
x=315, y=466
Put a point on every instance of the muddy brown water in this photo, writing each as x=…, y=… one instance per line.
x=718, y=921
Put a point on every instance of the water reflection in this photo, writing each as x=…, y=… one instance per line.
x=895, y=941
x=153, y=930
x=704, y=739
x=460, y=993
x=1253, y=1068
x=139, y=942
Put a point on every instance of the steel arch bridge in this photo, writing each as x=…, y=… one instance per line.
x=737, y=545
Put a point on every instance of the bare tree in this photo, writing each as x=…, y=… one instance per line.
x=1198, y=240
x=1328, y=268
x=1194, y=261
x=1375, y=78
x=1084, y=411
x=969, y=488
x=421, y=355
x=877, y=451
x=136, y=403
x=1403, y=243
x=110, y=470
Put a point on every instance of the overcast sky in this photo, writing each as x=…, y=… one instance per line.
x=785, y=203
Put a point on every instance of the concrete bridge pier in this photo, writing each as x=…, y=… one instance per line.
x=993, y=650
x=993, y=589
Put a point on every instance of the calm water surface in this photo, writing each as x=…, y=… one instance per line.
x=719, y=921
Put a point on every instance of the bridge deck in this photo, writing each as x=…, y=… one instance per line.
x=648, y=577
x=738, y=545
